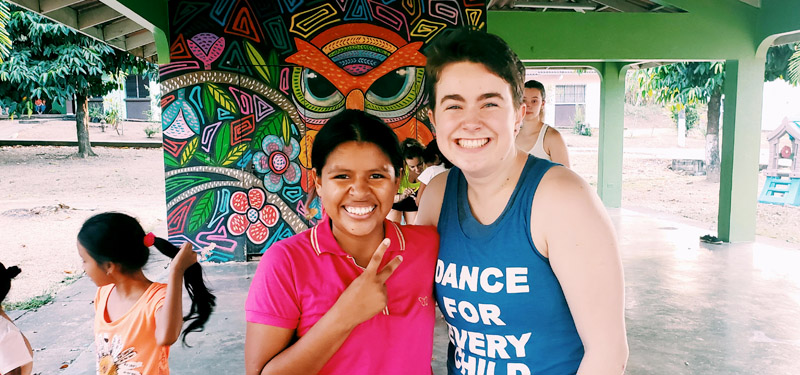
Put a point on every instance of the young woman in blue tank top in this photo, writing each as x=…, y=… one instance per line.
x=529, y=276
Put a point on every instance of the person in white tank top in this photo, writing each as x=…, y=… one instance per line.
x=535, y=137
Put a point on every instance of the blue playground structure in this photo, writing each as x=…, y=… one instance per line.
x=783, y=184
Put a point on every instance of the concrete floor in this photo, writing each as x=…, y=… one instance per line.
x=692, y=308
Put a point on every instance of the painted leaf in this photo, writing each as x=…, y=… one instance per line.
x=170, y=161
x=270, y=126
x=205, y=159
x=222, y=97
x=201, y=211
x=208, y=104
x=258, y=62
x=223, y=142
x=273, y=67
x=286, y=128
x=188, y=152
x=234, y=155
x=178, y=184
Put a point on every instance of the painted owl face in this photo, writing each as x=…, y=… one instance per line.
x=357, y=66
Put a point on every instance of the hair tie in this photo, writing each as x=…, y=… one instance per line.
x=149, y=239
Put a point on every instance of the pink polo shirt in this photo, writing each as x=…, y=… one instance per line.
x=300, y=278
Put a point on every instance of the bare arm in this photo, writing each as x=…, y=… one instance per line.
x=571, y=227
x=169, y=318
x=418, y=198
x=266, y=350
x=556, y=147
x=429, y=208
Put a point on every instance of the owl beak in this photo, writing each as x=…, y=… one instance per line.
x=355, y=100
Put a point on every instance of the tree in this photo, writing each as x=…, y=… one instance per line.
x=794, y=65
x=687, y=83
x=53, y=61
x=5, y=41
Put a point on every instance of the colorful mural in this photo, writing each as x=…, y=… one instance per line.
x=251, y=82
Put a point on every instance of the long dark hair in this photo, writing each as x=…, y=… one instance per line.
x=118, y=238
x=6, y=274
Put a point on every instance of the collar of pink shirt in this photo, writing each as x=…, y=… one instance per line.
x=322, y=240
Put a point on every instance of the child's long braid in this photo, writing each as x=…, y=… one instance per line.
x=203, y=302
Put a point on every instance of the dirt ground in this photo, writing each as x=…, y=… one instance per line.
x=46, y=192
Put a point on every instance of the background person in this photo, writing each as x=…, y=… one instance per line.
x=16, y=356
x=535, y=137
x=134, y=316
x=405, y=208
x=435, y=163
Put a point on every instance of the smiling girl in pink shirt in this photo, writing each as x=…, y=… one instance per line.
x=352, y=295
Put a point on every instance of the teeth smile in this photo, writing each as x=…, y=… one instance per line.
x=359, y=210
x=472, y=143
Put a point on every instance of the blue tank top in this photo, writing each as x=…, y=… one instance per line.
x=505, y=310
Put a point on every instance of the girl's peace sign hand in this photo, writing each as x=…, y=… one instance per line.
x=366, y=296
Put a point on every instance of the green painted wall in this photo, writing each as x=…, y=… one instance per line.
x=778, y=17
x=707, y=33
x=157, y=13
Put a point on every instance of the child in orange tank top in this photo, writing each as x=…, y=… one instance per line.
x=136, y=320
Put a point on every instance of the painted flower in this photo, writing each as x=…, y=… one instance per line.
x=111, y=359
x=277, y=161
x=252, y=215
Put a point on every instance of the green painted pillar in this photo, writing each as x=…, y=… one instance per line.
x=609, y=159
x=741, y=136
x=162, y=45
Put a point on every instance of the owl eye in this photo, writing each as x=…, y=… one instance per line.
x=392, y=87
x=318, y=91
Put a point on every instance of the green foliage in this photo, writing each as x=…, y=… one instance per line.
x=152, y=130
x=50, y=60
x=31, y=303
x=5, y=41
x=581, y=128
x=778, y=59
x=794, y=66
x=687, y=83
x=682, y=84
x=692, y=118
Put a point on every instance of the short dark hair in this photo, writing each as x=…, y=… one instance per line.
x=355, y=126
x=489, y=50
x=534, y=84
x=432, y=153
x=412, y=148
x=6, y=274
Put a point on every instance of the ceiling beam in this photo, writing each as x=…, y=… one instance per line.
x=149, y=50
x=32, y=5
x=579, y=5
x=139, y=40
x=121, y=28
x=96, y=16
x=47, y=6
x=755, y=3
x=621, y=5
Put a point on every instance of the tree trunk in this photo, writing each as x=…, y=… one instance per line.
x=712, y=138
x=82, y=124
